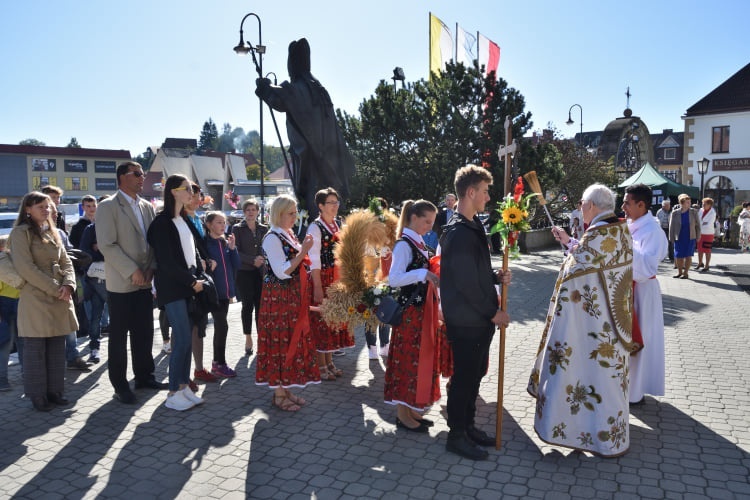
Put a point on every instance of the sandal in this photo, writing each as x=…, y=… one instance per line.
x=284, y=403
x=295, y=399
x=325, y=374
x=336, y=371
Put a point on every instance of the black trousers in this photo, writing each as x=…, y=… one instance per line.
x=130, y=312
x=249, y=285
x=471, y=352
x=670, y=244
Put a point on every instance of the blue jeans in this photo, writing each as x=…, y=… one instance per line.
x=98, y=297
x=71, y=347
x=182, y=331
x=8, y=314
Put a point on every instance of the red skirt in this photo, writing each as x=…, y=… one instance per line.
x=705, y=243
x=446, y=353
x=403, y=364
x=325, y=338
x=279, y=307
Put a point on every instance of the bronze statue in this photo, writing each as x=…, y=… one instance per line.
x=320, y=157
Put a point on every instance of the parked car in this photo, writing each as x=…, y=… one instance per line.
x=6, y=222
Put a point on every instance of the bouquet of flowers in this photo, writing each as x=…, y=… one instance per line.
x=514, y=213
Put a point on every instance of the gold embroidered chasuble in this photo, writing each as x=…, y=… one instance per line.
x=580, y=377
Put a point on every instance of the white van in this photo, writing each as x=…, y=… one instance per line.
x=6, y=222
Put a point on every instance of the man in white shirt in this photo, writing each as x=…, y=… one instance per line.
x=649, y=248
x=663, y=215
x=576, y=221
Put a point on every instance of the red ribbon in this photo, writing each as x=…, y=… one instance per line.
x=425, y=372
x=303, y=318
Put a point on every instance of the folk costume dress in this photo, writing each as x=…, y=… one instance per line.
x=744, y=222
x=412, y=375
x=647, y=366
x=286, y=352
x=325, y=238
x=580, y=377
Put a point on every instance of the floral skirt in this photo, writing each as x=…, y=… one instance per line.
x=279, y=309
x=446, y=353
x=327, y=339
x=403, y=364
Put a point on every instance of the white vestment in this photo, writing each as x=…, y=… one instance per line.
x=580, y=377
x=647, y=366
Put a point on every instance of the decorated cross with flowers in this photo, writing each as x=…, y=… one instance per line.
x=514, y=213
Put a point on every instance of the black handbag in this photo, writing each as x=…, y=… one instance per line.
x=207, y=300
x=390, y=311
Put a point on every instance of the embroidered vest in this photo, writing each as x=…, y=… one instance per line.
x=327, y=244
x=418, y=261
x=289, y=251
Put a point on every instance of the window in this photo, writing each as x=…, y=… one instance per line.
x=720, y=140
x=670, y=153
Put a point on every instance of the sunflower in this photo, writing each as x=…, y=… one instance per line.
x=350, y=310
x=512, y=215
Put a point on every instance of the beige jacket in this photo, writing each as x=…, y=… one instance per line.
x=122, y=242
x=45, y=266
x=675, y=224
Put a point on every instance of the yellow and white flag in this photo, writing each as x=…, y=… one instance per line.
x=441, y=45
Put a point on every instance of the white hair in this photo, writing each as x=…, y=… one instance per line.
x=601, y=196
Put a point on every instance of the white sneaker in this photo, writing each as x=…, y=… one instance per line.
x=373, y=352
x=193, y=397
x=385, y=350
x=178, y=401
x=166, y=348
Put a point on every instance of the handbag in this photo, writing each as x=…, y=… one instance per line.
x=390, y=311
x=207, y=300
x=96, y=270
x=8, y=273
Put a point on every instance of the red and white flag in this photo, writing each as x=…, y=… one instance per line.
x=489, y=54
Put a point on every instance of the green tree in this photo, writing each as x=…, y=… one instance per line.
x=31, y=142
x=209, y=138
x=407, y=143
x=73, y=143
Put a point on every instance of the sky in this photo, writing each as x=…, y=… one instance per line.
x=126, y=75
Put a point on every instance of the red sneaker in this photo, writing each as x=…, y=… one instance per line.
x=204, y=376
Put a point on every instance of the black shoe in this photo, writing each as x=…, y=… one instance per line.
x=461, y=445
x=125, y=397
x=639, y=402
x=480, y=437
x=151, y=384
x=41, y=403
x=425, y=421
x=248, y=351
x=57, y=399
x=79, y=364
x=421, y=428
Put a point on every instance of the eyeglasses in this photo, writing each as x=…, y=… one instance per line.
x=136, y=173
x=336, y=202
x=183, y=188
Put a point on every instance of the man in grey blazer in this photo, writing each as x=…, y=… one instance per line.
x=121, y=224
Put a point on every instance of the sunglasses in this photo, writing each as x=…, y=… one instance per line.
x=136, y=173
x=183, y=188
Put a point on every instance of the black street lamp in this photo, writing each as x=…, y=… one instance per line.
x=242, y=49
x=571, y=122
x=702, y=169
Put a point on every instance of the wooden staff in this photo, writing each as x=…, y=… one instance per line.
x=536, y=188
x=504, y=151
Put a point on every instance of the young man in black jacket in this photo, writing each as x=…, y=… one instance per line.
x=470, y=308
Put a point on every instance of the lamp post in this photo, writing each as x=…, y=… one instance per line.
x=242, y=49
x=702, y=169
x=571, y=122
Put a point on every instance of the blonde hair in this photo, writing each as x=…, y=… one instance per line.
x=417, y=208
x=280, y=205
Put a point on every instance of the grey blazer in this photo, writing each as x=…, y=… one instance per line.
x=122, y=242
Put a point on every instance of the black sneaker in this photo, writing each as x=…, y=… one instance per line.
x=79, y=364
x=461, y=445
x=94, y=357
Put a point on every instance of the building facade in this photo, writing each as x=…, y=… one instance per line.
x=717, y=128
x=78, y=171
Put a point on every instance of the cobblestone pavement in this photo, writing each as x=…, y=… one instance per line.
x=692, y=443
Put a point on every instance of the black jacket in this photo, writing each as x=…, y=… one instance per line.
x=467, y=282
x=173, y=278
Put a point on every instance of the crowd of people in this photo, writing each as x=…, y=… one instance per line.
x=602, y=348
